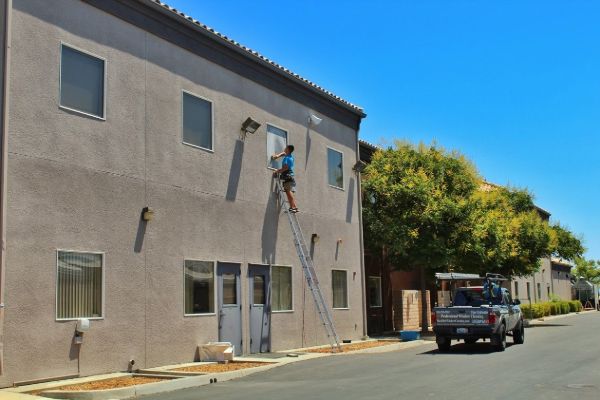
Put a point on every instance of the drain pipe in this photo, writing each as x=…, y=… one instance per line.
x=3, y=163
x=362, y=244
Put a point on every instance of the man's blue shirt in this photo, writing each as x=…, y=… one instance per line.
x=289, y=161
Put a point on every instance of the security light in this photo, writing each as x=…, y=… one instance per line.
x=314, y=120
x=315, y=238
x=359, y=166
x=147, y=213
x=250, y=125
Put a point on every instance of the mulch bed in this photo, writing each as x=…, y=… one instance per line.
x=230, y=366
x=112, y=383
x=355, y=346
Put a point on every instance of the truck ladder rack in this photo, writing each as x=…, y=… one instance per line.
x=309, y=271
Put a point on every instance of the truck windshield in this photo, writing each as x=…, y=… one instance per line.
x=472, y=297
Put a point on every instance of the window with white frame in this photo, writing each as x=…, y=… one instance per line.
x=199, y=287
x=281, y=288
x=82, y=82
x=335, y=168
x=276, y=143
x=375, y=291
x=339, y=285
x=197, y=121
x=79, y=285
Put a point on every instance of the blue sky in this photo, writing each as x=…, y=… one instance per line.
x=513, y=85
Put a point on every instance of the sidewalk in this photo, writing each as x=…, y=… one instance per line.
x=176, y=380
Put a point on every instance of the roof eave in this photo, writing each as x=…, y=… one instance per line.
x=180, y=18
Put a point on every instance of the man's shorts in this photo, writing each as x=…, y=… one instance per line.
x=289, y=186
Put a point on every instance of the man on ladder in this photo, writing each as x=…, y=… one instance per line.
x=286, y=174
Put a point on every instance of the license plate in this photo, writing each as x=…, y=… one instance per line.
x=462, y=330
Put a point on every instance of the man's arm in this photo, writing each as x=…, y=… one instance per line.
x=277, y=155
x=282, y=169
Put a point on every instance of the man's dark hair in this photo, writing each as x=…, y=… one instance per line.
x=291, y=148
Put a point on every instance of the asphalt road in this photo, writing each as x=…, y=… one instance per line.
x=559, y=360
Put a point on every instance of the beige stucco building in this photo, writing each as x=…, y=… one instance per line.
x=111, y=106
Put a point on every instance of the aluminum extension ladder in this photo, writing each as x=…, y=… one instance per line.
x=309, y=271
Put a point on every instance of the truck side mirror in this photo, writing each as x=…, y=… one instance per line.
x=516, y=302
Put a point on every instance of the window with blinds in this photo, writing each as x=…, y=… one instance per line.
x=82, y=82
x=199, y=292
x=339, y=288
x=79, y=285
x=281, y=288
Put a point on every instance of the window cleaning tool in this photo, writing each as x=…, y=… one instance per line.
x=309, y=272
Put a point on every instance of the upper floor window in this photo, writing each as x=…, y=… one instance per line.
x=197, y=121
x=79, y=285
x=276, y=143
x=335, y=168
x=82, y=82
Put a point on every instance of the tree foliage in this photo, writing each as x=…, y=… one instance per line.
x=417, y=200
x=587, y=269
x=430, y=209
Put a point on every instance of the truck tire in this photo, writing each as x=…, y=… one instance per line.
x=443, y=344
x=499, y=339
x=519, y=333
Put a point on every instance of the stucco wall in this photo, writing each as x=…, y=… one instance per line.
x=80, y=183
x=542, y=277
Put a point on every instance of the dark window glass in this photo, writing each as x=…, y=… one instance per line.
x=229, y=288
x=197, y=121
x=199, y=287
x=281, y=288
x=82, y=82
x=335, y=168
x=259, y=289
x=340, y=289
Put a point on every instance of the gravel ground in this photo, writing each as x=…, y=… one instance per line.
x=230, y=366
x=355, y=346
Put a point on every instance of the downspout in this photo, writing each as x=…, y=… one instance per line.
x=3, y=167
x=362, y=245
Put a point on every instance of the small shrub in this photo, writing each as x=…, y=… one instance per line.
x=564, y=305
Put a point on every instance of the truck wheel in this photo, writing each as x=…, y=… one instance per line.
x=470, y=340
x=519, y=333
x=443, y=344
x=499, y=339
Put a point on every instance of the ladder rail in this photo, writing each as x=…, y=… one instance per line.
x=309, y=271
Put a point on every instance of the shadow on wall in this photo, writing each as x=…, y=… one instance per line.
x=235, y=171
x=350, y=202
x=270, y=227
x=141, y=232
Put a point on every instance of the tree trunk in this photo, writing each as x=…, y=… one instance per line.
x=423, y=282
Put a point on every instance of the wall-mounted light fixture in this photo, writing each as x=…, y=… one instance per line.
x=314, y=120
x=147, y=214
x=250, y=126
x=359, y=166
x=315, y=238
x=339, y=241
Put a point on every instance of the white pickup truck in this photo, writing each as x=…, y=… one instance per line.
x=479, y=312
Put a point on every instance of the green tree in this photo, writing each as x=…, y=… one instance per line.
x=507, y=234
x=418, y=202
x=565, y=244
x=587, y=269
